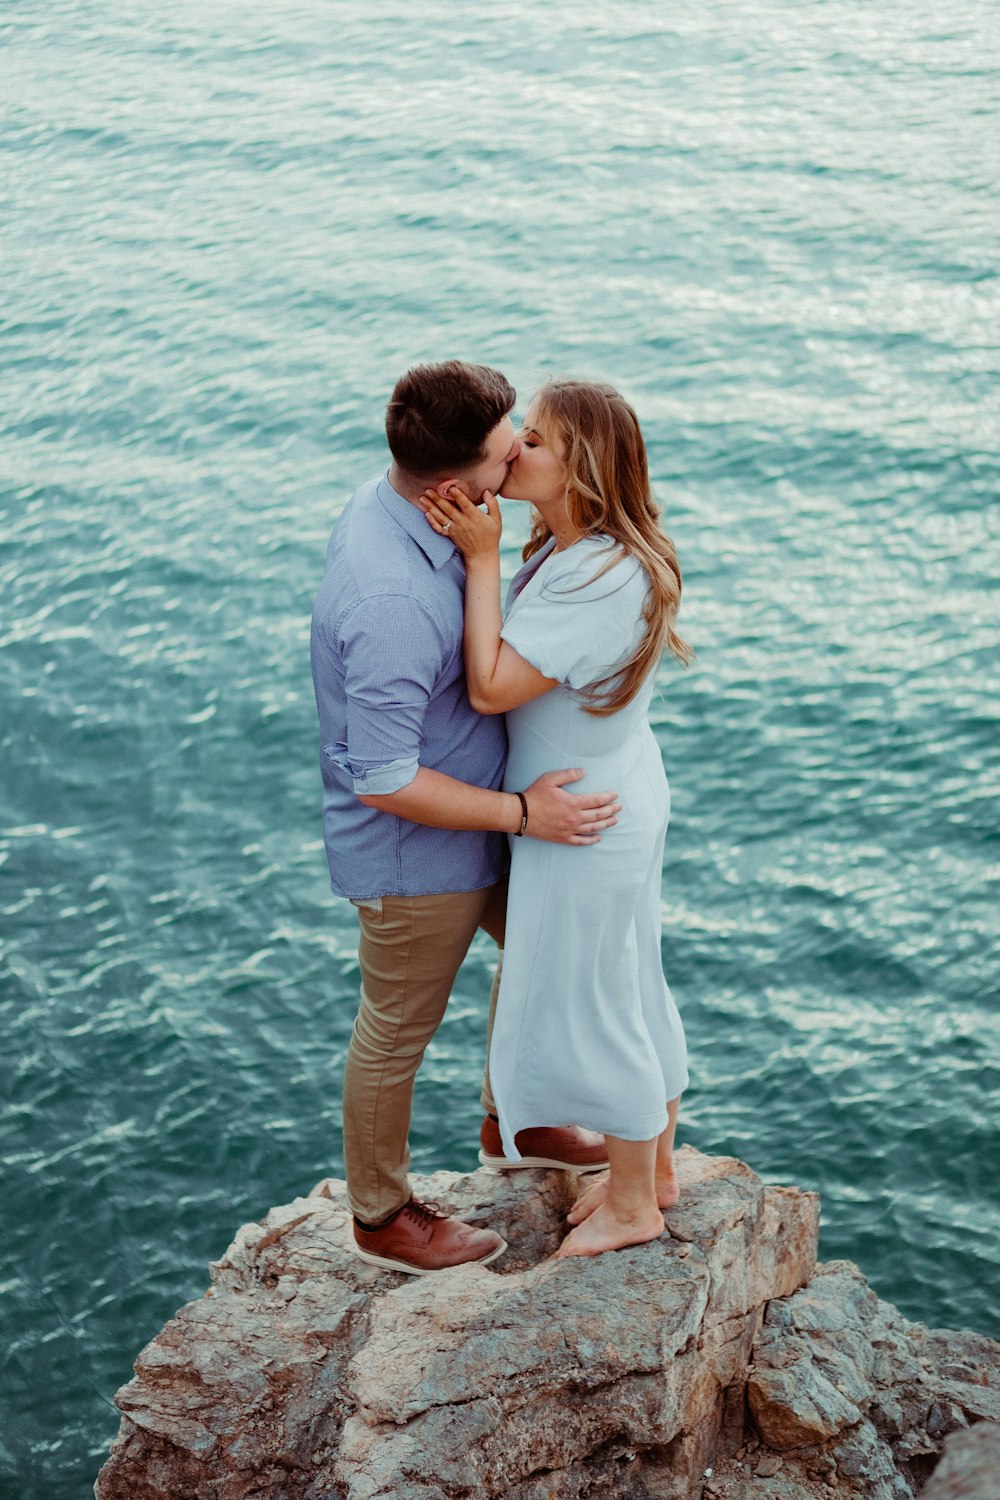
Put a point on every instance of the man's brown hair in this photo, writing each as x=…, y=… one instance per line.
x=439, y=416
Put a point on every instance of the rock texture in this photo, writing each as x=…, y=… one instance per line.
x=847, y=1398
x=718, y=1361
x=970, y=1469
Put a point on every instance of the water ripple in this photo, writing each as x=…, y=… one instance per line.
x=224, y=235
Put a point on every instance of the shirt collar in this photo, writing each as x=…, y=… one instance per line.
x=437, y=549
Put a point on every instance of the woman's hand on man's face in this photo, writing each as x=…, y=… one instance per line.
x=475, y=532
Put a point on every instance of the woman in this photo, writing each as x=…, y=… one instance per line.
x=586, y=1029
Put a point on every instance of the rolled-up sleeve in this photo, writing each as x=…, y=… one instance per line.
x=394, y=651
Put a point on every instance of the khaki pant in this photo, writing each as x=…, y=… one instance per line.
x=410, y=951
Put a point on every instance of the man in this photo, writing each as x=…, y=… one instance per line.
x=414, y=824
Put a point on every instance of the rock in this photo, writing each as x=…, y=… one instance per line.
x=864, y=1459
x=836, y=1371
x=970, y=1468
x=798, y=1406
x=305, y=1374
x=768, y=1466
x=963, y=1370
x=813, y=1362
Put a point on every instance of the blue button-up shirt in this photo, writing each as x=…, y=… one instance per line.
x=390, y=690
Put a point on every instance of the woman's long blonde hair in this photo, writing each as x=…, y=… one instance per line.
x=608, y=494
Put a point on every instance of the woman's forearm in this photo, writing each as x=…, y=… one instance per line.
x=497, y=678
x=483, y=622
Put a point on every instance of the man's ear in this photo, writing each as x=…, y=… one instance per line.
x=447, y=486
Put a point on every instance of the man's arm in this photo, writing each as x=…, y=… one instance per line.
x=393, y=651
x=554, y=815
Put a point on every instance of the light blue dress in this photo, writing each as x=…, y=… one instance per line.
x=586, y=1030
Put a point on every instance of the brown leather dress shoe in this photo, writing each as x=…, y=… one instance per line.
x=565, y=1146
x=419, y=1239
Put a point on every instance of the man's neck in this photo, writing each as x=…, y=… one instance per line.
x=405, y=484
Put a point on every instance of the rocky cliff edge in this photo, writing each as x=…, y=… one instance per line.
x=719, y=1362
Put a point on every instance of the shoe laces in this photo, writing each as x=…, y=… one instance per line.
x=424, y=1213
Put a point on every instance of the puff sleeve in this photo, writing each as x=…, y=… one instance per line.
x=573, y=625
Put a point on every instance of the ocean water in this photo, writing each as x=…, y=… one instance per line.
x=224, y=230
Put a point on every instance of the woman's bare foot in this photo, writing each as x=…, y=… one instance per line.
x=595, y=1193
x=602, y=1230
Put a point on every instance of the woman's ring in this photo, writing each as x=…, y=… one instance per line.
x=446, y=528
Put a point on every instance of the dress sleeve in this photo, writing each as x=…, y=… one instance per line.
x=394, y=652
x=578, y=627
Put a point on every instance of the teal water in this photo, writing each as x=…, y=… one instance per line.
x=224, y=230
